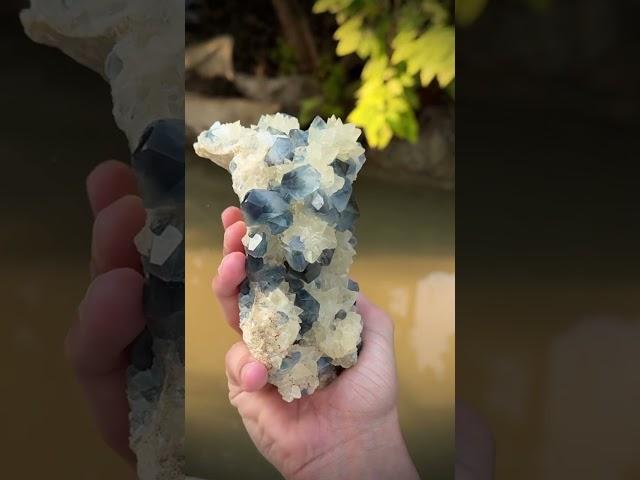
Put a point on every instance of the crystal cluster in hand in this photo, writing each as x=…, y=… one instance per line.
x=297, y=311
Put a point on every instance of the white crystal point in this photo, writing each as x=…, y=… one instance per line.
x=280, y=121
x=297, y=306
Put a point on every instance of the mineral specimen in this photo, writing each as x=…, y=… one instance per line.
x=139, y=48
x=297, y=311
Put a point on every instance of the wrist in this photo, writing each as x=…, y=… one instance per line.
x=377, y=451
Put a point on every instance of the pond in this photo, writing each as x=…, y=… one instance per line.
x=405, y=264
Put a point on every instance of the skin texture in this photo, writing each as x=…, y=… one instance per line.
x=349, y=429
x=97, y=343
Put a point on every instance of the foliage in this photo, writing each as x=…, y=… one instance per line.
x=284, y=57
x=335, y=92
x=406, y=44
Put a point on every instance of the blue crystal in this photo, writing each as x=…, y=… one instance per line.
x=326, y=370
x=340, y=168
x=142, y=350
x=280, y=152
x=245, y=300
x=267, y=277
x=353, y=286
x=300, y=182
x=340, y=199
x=260, y=249
x=348, y=216
x=267, y=207
x=341, y=315
x=294, y=282
x=299, y=138
x=323, y=362
x=295, y=254
x=310, y=307
x=355, y=165
x=245, y=295
x=290, y=360
x=244, y=287
x=353, y=241
x=309, y=274
x=159, y=163
x=253, y=265
x=326, y=256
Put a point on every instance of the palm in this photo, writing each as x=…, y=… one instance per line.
x=290, y=435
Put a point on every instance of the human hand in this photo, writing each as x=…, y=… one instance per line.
x=346, y=430
x=110, y=316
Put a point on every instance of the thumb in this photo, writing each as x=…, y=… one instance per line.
x=244, y=373
x=377, y=325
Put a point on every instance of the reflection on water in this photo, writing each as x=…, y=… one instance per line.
x=405, y=263
x=434, y=321
x=557, y=380
x=581, y=383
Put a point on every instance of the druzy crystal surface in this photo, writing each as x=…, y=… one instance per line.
x=297, y=304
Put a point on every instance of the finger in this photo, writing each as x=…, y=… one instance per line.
x=231, y=273
x=231, y=215
x=96, y=347
x=376, y=322
x=113, y=232
x=109, y=319
x=233, y=238
x=108, y=182
x=109, y=407
x=377, y=335
x=244, y=373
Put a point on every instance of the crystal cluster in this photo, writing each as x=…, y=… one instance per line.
x=138, y=47
x=155, y=377
x=297, y=311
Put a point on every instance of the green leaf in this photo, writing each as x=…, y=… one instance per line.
x=451, y=89
x=422, y=50
x=348, y=36
x=369, y=45
x=432, y=54
x=332, y=6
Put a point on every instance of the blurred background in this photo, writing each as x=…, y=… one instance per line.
x=548, y=323
x=547, y=327
x=389, y=68
x=56, y=126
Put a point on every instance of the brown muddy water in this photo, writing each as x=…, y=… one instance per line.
x=405, y=263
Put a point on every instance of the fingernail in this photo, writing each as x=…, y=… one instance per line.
x=244, y=373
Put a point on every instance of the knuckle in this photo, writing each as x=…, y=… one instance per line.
x=233, y=354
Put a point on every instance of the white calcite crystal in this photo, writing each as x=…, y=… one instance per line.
x=297, y=305
x=137, y=46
